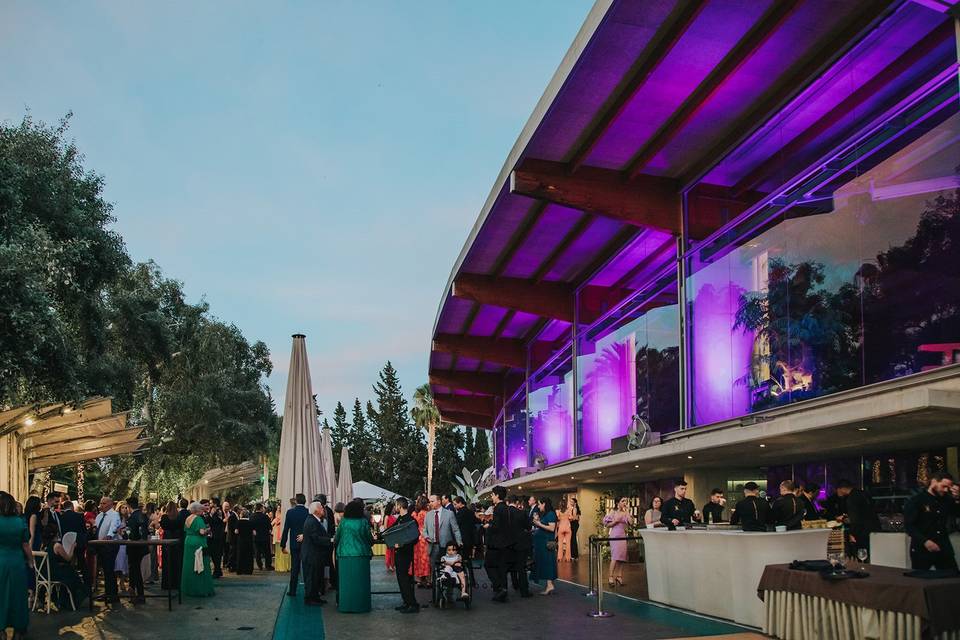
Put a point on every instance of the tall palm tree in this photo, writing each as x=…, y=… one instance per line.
x=426, y=416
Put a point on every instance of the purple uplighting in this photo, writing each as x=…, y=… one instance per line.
x=609, y=396
x=551, y=418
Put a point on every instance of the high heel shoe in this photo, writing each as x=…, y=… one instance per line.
x=611, y=584
x=619, y=581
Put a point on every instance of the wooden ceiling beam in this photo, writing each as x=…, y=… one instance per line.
x=648, y=201
x=467, y=419
x=480, y=405
x=506, y=352
x=545, y=299
x=660, y=45
x=793, y=81
x=754, y=39
x=489, y=384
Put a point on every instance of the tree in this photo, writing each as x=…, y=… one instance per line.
x=481, y=451
x=427, y=417
x=448, y=458
x=363, y=450
x=398, y=439
x=469, y=452
x=340, y=432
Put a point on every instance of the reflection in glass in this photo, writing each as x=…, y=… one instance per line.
x=551, y=415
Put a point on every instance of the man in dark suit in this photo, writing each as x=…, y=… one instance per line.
x=216, y=541
x=860, y=517
x=138, y=528
x=787, y=510
x=807, y=497
x=70, y=520
x=331, y=524
x=314, y=550
x=293, y=529
x=520, y=525
x=230, y=538
x=499, y=543
x=262, y=537
x=467, y=521
x=404, y=560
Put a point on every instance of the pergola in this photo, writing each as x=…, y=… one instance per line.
x=220, y=479
x=36, y=437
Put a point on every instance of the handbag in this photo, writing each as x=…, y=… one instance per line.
x=198, y=560
x=551, y=545
x=401, y=534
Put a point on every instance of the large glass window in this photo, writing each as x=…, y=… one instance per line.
x=849, y=276
x=550, y=406
x=629, y=365
x=515, y=433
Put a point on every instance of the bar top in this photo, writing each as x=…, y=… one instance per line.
x=732, y=532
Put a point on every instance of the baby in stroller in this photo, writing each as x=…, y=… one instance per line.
x=452, y=569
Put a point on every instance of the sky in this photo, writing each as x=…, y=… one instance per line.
x=305, y=167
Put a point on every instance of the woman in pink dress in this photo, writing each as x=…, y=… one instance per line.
x=564, y=532
x=389, y=520
x=617, y=521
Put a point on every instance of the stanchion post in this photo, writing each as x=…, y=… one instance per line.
x=592, y=567
x=599, y=613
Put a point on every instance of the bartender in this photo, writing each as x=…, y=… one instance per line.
x=713, y=510
x=859, y=517
x=808, y=494
x=679, y=510
x=788, y=510
x=753, y=512
x=926, y=517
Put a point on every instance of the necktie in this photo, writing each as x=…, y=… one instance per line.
x=436, y=525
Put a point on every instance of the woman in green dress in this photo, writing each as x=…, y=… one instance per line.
x=353, y=542
x=14, y=553
x=194, y=583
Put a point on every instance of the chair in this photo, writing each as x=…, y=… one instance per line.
x=41, y=563
x=69, y=542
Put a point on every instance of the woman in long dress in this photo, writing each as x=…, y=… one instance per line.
x=617, y=521
x=353, y=542
x=389, y=554
x=421, y=552
x=281, y=560
x=574, y=527
x=15, y=551
x=244, y=541
x=198, y=584
x=171, y=556
x=564, y=532
x=545, y=532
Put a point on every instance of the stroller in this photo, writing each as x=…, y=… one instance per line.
x=446, y=589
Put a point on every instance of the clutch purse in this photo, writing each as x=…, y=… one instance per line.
x=401, y=534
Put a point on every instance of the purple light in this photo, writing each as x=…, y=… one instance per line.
x=609, y=392
x=551, y=418
x=516, y=437
x=720, y=354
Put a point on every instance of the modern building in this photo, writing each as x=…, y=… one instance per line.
x=739, y=220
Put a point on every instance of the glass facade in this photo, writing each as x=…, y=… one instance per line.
x=550, y=407
x=845, y=277
x=629, y=365
x=515, y=434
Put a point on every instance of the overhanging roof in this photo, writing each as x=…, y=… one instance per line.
x=228, y=477
x=652, y=97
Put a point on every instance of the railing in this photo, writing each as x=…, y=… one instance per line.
x=596, y=572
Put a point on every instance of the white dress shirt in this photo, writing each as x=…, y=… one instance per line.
x=107, y=524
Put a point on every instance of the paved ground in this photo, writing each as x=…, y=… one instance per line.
x=243, y=607
x=634, y=576
x=559, y=616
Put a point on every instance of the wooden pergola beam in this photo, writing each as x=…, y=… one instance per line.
x=489, y=384
x=500, y=351
x=648, y=201
x=467, y=419
x=545, y=299
x=480, y=405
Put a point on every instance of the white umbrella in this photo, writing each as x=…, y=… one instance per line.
x=298, y=470
x=328, y=472
x=266, y=480
x=345, y=480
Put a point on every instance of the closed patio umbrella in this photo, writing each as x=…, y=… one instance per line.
x=328, y=471
x=345, y=479
x=298, y=470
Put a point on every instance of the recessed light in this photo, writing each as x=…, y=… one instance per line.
x=689, y=457
x=862, y=429
x=599, y=472
x=28, y=421
x=636, y=466
x=762, y=446
x=572, y=478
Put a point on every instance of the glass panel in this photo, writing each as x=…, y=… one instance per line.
x=848, y=277
x=515, y=433
x=551, y=414
x=630, y=366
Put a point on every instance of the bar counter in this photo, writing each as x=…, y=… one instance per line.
x=716, y=572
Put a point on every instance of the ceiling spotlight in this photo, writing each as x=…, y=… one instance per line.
x=689, y=457
x=599, y=472
x=762, y=446
x=572, y=478
x=636, y=466
x=28, y=421
x=862, y=429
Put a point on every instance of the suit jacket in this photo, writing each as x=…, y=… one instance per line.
x=217, y=529
x=449, y=530
x=330, y=521
x=73, y=521
x=293, y=526
x=262, y=528
x=500, y=534
x=467, y=522
x=182, y=516
x=138, y=526
x=520, y=525
x=316, y=540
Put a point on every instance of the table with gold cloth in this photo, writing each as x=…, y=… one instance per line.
x=800, y=605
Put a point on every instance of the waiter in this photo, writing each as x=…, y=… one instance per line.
x=752, y=513
x=713, y=510
x=926, y=517
x=807, y=496
x=499, y=544
x=859, y=516
x=787, y=509
x=403, y=556
x=679, y=510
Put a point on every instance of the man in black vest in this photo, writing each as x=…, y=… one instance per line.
x=499, y=544
x=404, y=560
x=787, y=510
x=753, y=512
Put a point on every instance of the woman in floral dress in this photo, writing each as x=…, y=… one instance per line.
x=421, y=552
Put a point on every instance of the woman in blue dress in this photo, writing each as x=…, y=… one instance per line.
x=545, y=537
x=15, y=552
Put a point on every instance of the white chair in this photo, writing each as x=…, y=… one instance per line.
x=69, y=542
x=41, y=562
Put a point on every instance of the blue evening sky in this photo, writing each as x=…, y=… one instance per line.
x=307, y=167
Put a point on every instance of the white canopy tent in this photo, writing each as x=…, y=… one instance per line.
x=369, y=492
x=298, y=470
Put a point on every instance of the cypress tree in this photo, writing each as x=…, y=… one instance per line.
x=469, y=452
x=364, y=450
x=447, y=459
x=401, y=443
x=340, y=432
x=481, y=451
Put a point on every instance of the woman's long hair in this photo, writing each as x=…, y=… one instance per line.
x=353, y=509
x=170, y=510
x=8, y=506
x=653, y=500
x=547, y=506
x=32, y=507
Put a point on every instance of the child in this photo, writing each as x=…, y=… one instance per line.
x=453, y=566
